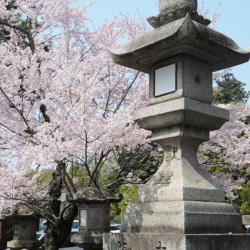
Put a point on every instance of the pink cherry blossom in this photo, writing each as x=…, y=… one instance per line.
x=231, y=144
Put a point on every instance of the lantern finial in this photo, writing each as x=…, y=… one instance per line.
x=171, y=10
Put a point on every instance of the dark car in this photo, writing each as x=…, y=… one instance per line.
x=115, y=227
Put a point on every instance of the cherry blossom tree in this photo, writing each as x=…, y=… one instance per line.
x=62, y=102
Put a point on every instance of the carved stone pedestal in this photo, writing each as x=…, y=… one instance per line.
x=151, y=241
x=180, y=207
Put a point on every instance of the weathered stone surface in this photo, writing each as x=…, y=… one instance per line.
x=193, y=80
x=97, y=222
x=23, y=244
x=182, y=111
x=246, y=219
x=96, y=203
x=177, y=5
x=182, y=217
x=93, y=239
x=180, y=177
x=171, y=10
x=25, y=223
x=176, y=241
x=89, y=195
x=181, y=198
x=183, y=36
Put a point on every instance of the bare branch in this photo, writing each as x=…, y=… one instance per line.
x=14, y=106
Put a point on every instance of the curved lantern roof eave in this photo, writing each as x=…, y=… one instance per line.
x=90, y=195
x=183, y=36
x=19, y=211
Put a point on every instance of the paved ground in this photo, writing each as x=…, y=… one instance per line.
x=66, y=248
x=71, y=248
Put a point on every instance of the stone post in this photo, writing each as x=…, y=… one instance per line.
x=180, y=208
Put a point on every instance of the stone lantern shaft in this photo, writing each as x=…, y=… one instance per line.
x=180, y=207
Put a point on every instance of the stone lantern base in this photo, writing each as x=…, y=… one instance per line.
x=23, y=244
x=88, y=242
x=150, y=241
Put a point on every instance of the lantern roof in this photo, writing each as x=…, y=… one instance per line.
x=19, y=211
x=93, y=195
x=181, y=36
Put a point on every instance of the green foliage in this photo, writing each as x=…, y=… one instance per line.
x=247, y=120
x=130, y=195
x=142, y=162
x=45, y=176
x=217, y=165
x=79, y=175
x=130, y=166
x=11, y=5
x=243, y=200
x=127, y=169
x=4, y=33
x=229, y=90
x=150, y=166
x=107, y=177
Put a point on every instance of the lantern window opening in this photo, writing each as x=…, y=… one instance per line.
x=165, y=80
x=82, y=218
x=16, y=229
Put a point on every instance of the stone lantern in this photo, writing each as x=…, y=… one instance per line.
x=94, y=217
x=24, y=230
x=180, y=207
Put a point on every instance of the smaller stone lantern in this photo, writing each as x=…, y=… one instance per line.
x=24, y=229
x=94, y=217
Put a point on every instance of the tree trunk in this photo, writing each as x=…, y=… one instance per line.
x=56, y=236
x=58, y=231
x=51, y=239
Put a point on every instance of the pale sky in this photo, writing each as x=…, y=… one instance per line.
x=234, y=20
